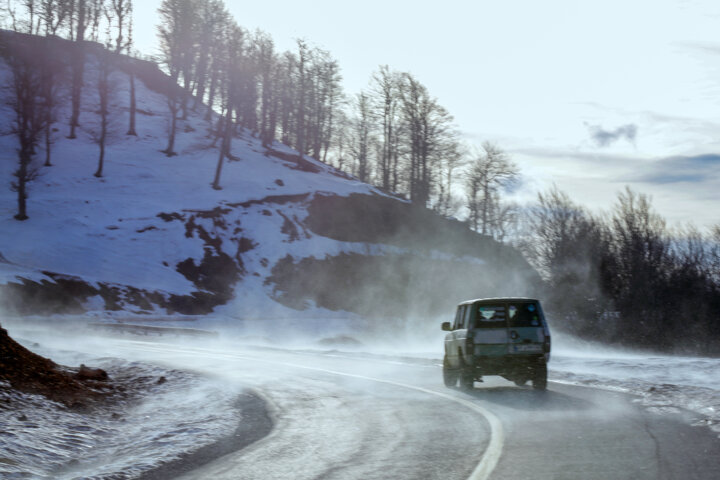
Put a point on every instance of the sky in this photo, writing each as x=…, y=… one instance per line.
x=590, y=96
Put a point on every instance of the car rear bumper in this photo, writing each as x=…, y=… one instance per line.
x=506, y=364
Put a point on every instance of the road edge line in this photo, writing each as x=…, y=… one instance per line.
x=493, y=451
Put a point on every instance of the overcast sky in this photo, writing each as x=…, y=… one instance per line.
x=589, y=95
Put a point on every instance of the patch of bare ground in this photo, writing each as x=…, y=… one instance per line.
x=80, y=388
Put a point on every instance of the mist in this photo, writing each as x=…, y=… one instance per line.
x=285, y=321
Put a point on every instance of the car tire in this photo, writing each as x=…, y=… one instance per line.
x=467, y=377
x=450, y=375
x=539, y=380
x=467, y=381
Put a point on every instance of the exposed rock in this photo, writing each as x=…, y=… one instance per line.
x=87, y=373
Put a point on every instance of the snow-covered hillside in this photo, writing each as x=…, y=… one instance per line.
x=107, y=230
x=151, y=235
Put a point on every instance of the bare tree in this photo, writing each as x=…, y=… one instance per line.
x=452, y=159
x=211, y=21
x=428, y=129
x=715, y=254
x=29, y=111
x=31, y=22
x=554, y=223
x=302, y=79
x=267, y=63
x=569, y=247
x=324, y=96
x=121, y=16
x=491, y=171
x=342, y=140
x=176, y=38
x=639, y=262
x=132, y=110
x=286, y=86
x=54, y=14
x=82, y=10
x=385, y=88
x=233, y=45
x=95, y=15
x=105, y=65
x=362, y=137
x=52, y=70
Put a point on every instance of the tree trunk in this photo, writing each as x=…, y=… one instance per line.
x=224, y=148
x=185, y=97
x=101, y=160
x=78, y=69
x=22, y=176
x=103, y=136
x=48, y=141
x=133, y=104
x=49, y=67
x=170, y=149
x=174, y=106
x=211, y=97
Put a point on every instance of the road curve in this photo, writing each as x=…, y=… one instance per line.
x=344, y=416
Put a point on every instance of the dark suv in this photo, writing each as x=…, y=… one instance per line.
x=497, y=336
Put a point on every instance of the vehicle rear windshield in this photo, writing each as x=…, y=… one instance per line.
x=490, y=316
x=524, y=315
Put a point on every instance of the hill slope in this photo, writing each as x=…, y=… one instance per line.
x=152, y=236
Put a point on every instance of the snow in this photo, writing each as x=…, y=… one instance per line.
x=168, y=422
x=43, y=440
x=107, y=229
x=663, y=383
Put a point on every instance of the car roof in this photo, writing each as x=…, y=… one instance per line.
x=498, y=299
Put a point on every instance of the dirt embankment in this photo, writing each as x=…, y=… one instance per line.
x=77, y=388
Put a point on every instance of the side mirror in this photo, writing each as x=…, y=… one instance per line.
x=446, y=327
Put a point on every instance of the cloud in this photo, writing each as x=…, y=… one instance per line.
x=681, y=169
x=684, y=188
x=605, y=138
x=620, y=168
x=581, y=158
x=704, y=47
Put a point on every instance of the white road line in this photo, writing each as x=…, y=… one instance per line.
x=497, y=436
x=494, y=449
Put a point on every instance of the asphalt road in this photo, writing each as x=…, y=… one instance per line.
x=345, y=416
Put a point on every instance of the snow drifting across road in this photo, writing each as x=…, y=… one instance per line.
x=166, y=421
x=664, y=383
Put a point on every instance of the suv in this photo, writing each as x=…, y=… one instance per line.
x=497, y=336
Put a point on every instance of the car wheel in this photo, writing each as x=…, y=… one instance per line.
x=467, y=377
x=520, y=381
x=540, y=377
x=450, y=375
x=467, y=380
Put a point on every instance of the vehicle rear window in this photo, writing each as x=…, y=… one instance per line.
x=524, y=315
x=490, y=316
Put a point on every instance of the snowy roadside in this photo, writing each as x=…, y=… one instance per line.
x=166, y=416
x=663, y=383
